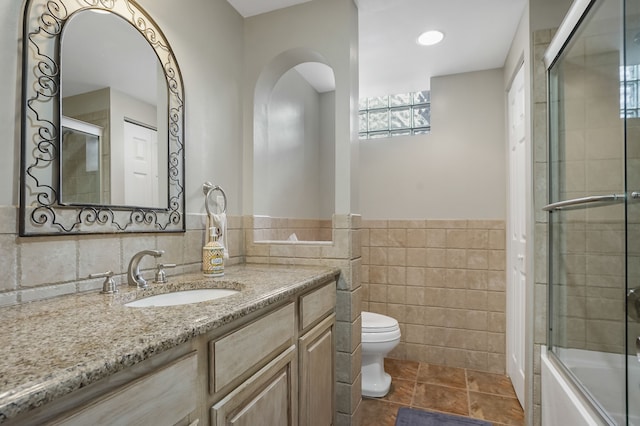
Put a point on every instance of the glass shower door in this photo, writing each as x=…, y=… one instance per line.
x=587, y=226
x=630, y=97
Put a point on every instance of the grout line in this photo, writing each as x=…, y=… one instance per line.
x=443, y=386
x=466, y=381
x=495, y=394
x=415, y=386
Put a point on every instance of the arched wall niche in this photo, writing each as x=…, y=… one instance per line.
x=294, y=148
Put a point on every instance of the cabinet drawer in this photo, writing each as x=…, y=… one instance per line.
x=250, y=347
x=318, y=303
x=163, y=397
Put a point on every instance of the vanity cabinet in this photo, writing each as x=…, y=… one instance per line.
x=295, y=387
x=271, y=366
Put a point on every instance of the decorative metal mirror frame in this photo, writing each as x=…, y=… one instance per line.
x=41, y=212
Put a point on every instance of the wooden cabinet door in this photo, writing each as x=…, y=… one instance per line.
x=266, y=398
x=317, y=375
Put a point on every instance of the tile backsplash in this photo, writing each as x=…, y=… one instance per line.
x=41, y=267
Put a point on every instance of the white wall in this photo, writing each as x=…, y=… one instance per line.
x=291, y=183
x=327, y=153
x=279, y=40
x=206, y=37
x=10, y=69
x=455, y=172
x=547, y=14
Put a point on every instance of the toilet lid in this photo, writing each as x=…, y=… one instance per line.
x=377, y=323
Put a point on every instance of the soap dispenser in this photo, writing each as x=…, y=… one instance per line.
x=213, y=256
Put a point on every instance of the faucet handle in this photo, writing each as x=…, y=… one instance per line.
x=109, y=285
x=161, y=275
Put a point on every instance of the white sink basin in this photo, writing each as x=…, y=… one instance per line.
x=181, y=297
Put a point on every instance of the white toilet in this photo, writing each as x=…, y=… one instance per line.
x=380, y=334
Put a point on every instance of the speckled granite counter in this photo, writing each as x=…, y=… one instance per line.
x=53, y=347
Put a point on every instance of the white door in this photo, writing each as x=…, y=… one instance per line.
x=517, y=236
x=141, y=166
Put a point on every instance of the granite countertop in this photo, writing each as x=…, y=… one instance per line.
x=53, y=347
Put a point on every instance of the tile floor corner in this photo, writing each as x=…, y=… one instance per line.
x=458, y=391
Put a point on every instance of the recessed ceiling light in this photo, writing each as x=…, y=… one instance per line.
x=430, y=38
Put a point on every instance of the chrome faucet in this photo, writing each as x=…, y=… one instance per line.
x=134, y=277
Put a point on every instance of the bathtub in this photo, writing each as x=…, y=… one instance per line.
x=602, y=373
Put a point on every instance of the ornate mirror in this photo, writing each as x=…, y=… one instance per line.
x=102, y=121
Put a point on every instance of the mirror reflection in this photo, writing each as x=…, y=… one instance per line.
x=114, y=143
x=80, y=162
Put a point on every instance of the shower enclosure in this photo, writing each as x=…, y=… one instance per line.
x=594, y=212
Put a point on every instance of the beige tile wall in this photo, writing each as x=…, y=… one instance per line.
x=444, y=281
x=589, y=244
x=589, y=271
x=590, y=284
x=633, y=220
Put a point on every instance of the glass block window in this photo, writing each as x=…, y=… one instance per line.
x=403, y=114
x=629, y=91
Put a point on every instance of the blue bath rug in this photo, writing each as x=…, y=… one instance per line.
x=413, y=417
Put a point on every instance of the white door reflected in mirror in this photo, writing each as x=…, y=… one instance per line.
x=141, y=167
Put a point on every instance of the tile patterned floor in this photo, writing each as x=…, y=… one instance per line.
x=451, y=390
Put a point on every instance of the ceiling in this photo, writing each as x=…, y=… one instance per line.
x=478, y=35
x=390, y=60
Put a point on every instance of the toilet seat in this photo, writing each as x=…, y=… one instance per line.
x=377, y=328
x=381, y=337
x=377, y=323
